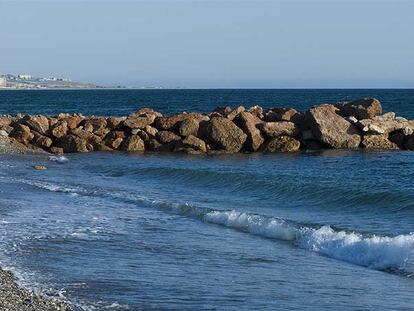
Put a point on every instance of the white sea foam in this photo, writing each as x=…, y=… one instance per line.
x=259, y=225
x=52, y=187
x=59, y=159
x=376, y=252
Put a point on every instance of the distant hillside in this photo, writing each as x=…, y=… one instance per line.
x=9, y=81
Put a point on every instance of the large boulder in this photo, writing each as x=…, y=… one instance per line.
x=274, y=129
x=191, y=144
x=71, y=143
x=96, y=125
x=5, y=122
x=59, y=129
x=149, y=113
x=22, y=134
x=222, y=111
x=172, y=123
x=166, y=137
x=41, y=141
x=370, y=141
x=366, y=108
x=169, y=123
x=224, y=134
x=114, y=123
x=137, y=122
x=93, y=141
x=331, y=129
x=235, y=112
x=114, y=139
x=73, y=121
x=141, y=133
x=188, y=127
x=284, y=114
x=86, y=135
x=153, y=145
x=282, y=144
x=39, y=124
x=152, y=131
x=133, y=143
x=257, y=111
x=247, y=122
x=385, y=124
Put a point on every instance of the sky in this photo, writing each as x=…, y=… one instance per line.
x=212, y=44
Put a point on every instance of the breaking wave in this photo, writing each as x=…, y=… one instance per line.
x=386, y=253
x=394, y=254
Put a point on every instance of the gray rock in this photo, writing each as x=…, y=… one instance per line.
x=384, y=124
x=22, y=134
x=331, y=129
x=274, y=129
x=39, y=124
x=71, y=143
x=224, y=134
x=247, y=122
x=166, y=137
x=284, y=114
x=378, y=142
x=133, y=143
x=188, y=127
x=366, y=108
x=191, y=144
x=282, y=144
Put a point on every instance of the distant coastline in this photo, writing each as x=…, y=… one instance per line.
x=29, y=82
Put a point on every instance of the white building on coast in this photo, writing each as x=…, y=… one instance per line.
x=3, y=81
x=24, y=77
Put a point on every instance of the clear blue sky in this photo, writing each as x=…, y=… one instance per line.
x=272, y=44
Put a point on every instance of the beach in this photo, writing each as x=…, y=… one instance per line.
x=154, y=230
x=15, y=298
x=206, y=155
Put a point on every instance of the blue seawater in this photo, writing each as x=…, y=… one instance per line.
x=329, y=230
x=123, y=102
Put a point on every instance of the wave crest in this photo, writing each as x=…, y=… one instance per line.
x=376, y=252
x=393, y=254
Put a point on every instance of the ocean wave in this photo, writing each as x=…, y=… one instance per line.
x=53, y=187
x=393, y=254
x=377, y=252
x=286, y=185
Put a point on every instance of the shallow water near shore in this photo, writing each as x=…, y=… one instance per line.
x=327, y=230
x=332, y=229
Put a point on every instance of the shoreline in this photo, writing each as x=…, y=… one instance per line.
x=16, y=298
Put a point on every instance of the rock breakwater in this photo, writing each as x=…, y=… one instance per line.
x=346, y=125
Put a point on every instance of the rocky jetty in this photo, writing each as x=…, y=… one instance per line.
x=345, y=125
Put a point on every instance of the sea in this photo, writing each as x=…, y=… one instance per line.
x=326, y=230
